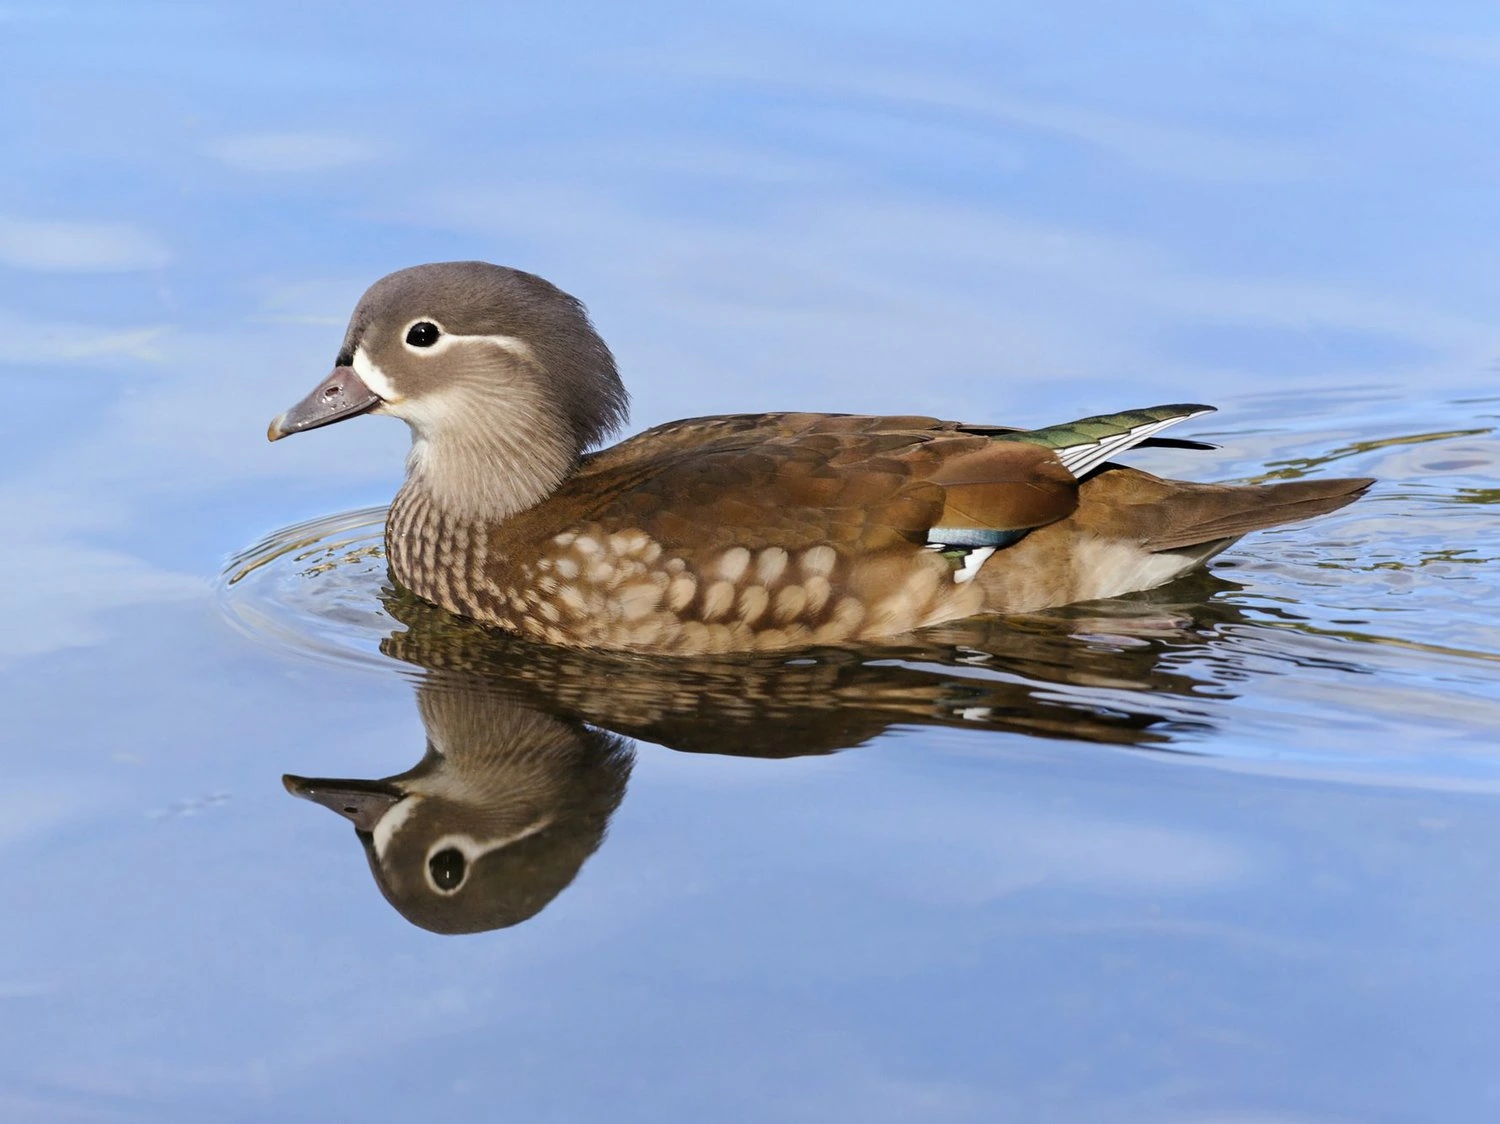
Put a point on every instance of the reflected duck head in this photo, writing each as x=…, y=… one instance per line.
x=494, y=822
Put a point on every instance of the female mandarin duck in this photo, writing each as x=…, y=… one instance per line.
x=745, y=531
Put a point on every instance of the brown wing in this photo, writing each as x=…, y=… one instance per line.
x=791, y=480
x=738, y=431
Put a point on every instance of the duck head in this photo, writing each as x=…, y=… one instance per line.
x=494, y=821
x=490, y=367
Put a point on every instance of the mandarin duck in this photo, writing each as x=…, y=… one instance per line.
x=745, y=531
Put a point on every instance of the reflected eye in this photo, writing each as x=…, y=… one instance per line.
x=447, y=868
x=423, y=333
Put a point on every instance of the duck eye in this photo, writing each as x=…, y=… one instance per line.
x=447, y=868
x=423, y=333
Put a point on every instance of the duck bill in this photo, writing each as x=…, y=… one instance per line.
x=341, y=395
x=362, y=803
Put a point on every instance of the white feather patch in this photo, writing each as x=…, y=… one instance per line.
x=372, y=376
x=972, y=561
x=390, y=823
x=1080, y=460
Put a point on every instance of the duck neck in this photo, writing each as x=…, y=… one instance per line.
x=457, y=490
x=483, y=474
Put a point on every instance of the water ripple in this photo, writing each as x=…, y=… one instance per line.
x=1324, y=655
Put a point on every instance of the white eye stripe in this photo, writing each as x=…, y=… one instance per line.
x=513, y=344
x=378, y=381
x=473, y=849
x=446, y=339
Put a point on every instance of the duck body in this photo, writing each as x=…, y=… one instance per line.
x=751, y=531
x=715, y=534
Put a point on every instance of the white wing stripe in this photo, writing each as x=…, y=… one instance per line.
x=972, y=561
x=1083, y=459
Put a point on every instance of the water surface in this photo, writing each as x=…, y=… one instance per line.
x=1220, y=852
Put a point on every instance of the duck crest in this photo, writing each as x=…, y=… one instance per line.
x=766, y=531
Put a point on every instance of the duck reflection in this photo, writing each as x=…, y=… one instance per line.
x=527, y=754
x=497, y=817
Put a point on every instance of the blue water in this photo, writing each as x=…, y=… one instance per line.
x=1220, y=853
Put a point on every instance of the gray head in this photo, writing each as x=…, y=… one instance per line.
x=499, y=373
x=494, y=822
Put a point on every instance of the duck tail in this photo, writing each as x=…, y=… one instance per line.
x=1198, y=515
